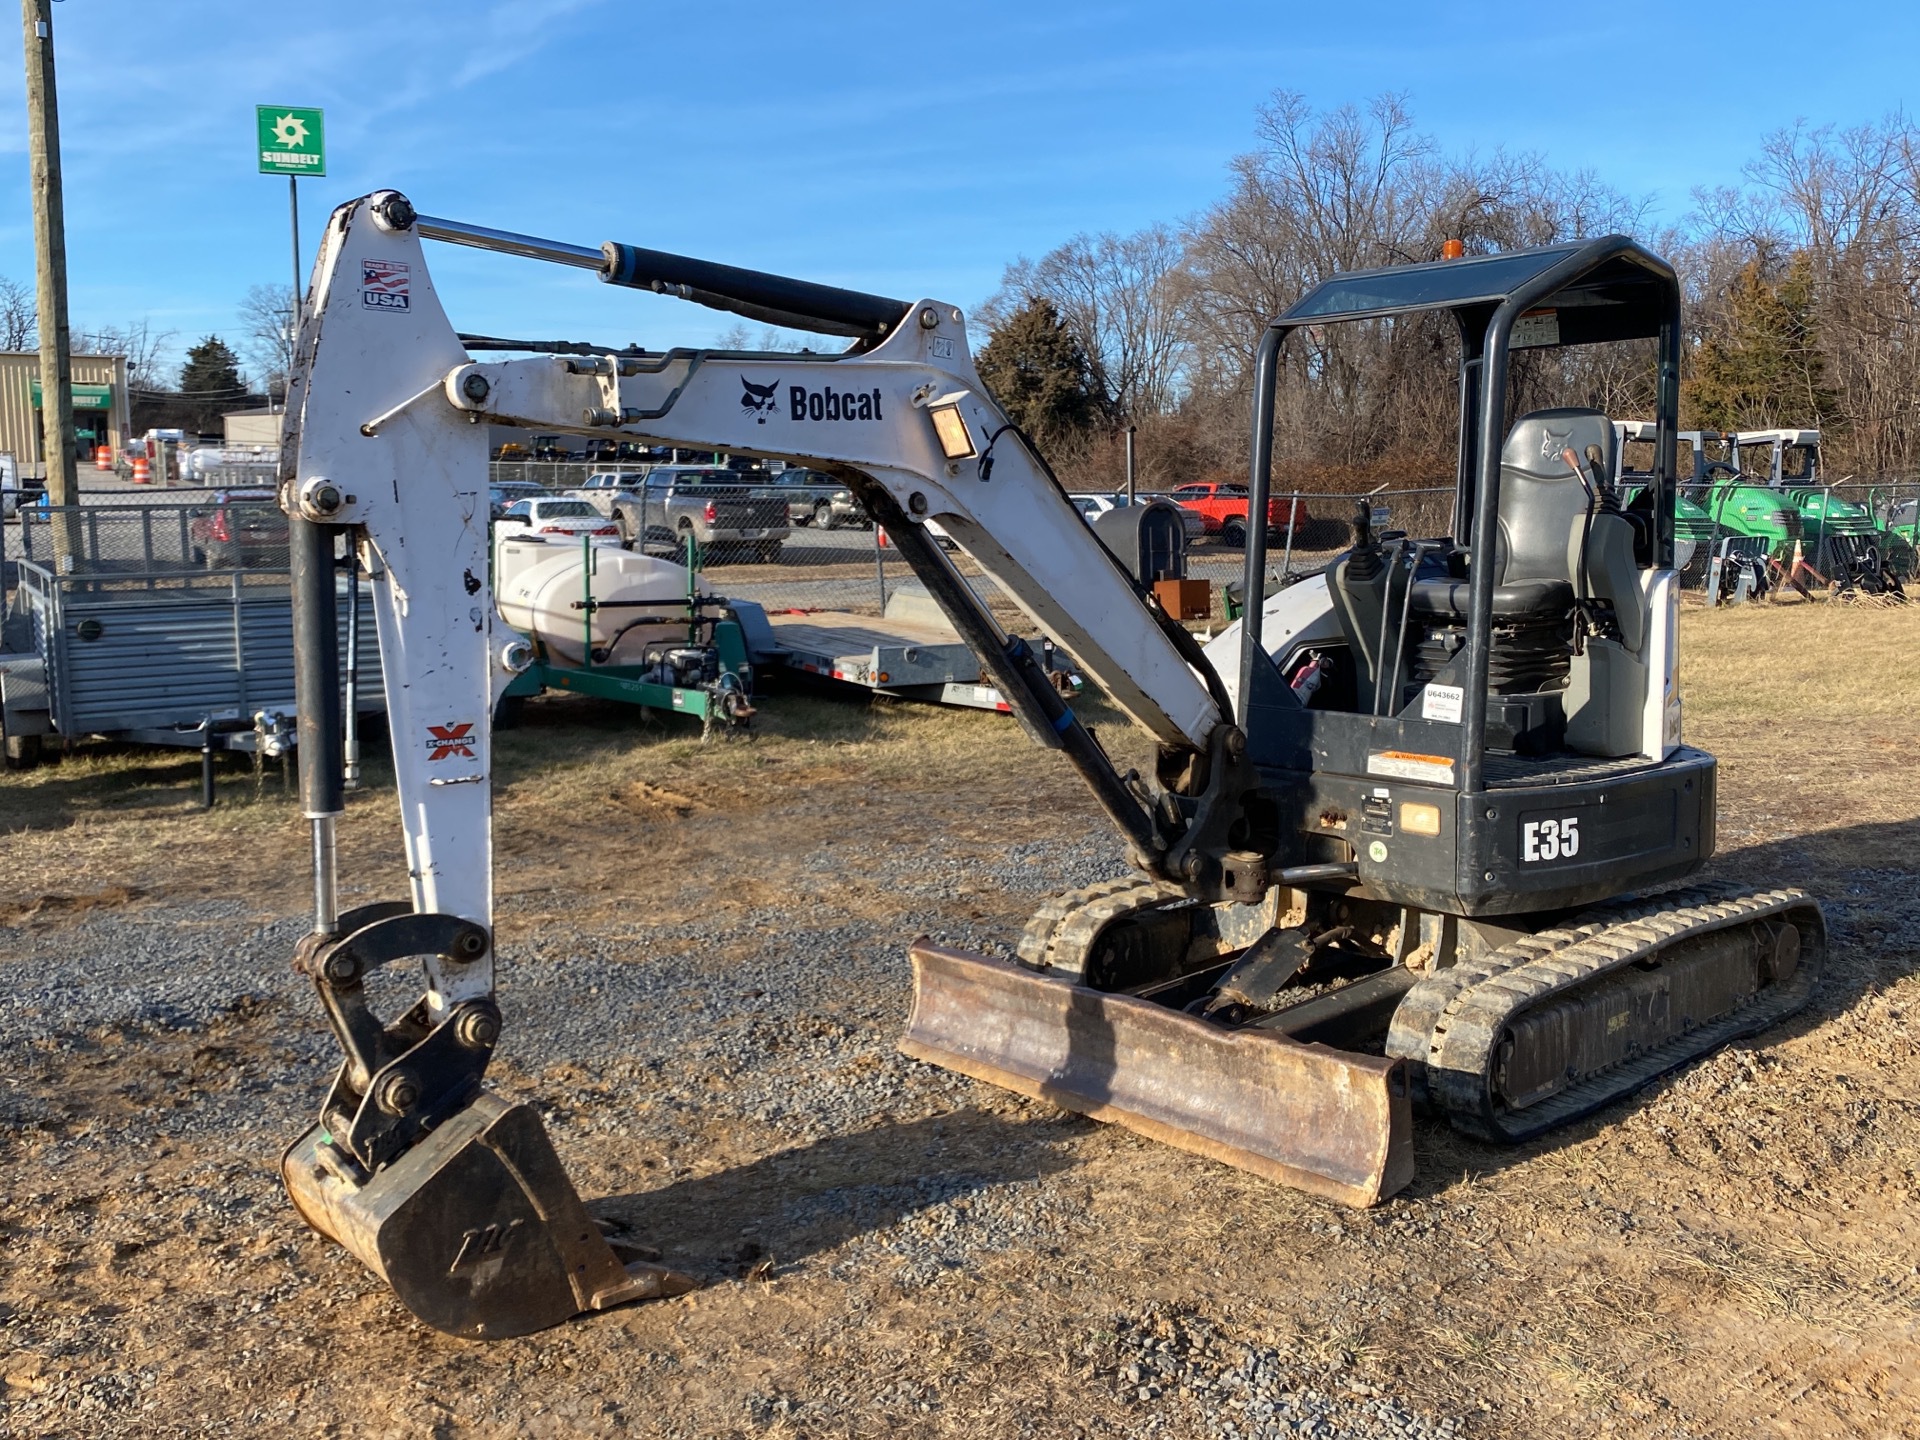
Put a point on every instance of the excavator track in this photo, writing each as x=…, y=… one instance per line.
x=1551, y=1027
x=1063, y=932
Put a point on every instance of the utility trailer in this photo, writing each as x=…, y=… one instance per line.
x=114, y=629
x=911, y=652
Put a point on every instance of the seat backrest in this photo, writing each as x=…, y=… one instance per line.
x=1543, y=505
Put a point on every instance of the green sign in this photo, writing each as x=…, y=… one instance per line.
x=292, y=141
x=85, y=397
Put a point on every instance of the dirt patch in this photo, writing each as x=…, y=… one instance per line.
x=44, y=907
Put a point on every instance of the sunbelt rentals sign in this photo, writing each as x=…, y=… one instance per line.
x=292, y=140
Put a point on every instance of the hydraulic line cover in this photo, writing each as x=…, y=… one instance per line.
x=1319, y=1119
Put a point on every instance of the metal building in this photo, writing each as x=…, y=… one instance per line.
x=100, y=407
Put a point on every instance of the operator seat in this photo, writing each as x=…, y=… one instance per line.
x=1542, y=519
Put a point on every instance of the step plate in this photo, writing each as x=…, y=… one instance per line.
x=1321, y=1120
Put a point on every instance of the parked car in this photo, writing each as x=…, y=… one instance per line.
x=557, y=515
x=1223, y=511
x=732, y=521
x=1099, y=503
x=816, y=498
x=503, y=493
x=238, y=530
x=602, y=486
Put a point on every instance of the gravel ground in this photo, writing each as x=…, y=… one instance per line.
x=723, y=1022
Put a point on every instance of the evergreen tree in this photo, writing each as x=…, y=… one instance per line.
x=1764, y=369
x=212, y=370
x=1043, y=377
x=210, y=383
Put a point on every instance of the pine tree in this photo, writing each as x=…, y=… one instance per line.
x=212, y=370
x=1042, y=376
x=210, y=382
x=1765, y=369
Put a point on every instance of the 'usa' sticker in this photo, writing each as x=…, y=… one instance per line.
x=383, y=285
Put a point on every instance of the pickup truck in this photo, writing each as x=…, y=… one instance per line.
x=1223, y=511
x=816, y=498
x=602, y=486
x=730, y=521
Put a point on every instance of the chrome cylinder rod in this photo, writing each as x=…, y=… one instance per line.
x=531, y=247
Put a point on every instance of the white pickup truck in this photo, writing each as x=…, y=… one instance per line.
x=603, y=486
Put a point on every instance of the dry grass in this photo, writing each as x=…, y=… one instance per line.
x=1769, y=667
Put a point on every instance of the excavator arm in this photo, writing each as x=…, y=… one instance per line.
x=453, y=1195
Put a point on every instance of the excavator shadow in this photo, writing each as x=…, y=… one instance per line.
x=810, y=1199
x=1863, y=875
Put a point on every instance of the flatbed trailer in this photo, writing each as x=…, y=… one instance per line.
x=909, y=657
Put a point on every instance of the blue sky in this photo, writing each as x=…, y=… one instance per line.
x=911, y=150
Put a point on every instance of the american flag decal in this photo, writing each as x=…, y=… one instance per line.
x=383, y=285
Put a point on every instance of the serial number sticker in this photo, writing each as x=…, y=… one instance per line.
x=1544, y=840
x=1404, y=765
x=1442, y=702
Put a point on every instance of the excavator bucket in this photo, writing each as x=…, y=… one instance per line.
x=477, y=1228
x=1322, y=1120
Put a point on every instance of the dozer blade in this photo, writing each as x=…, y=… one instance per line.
x=1329, y=1122
x=477, y=1228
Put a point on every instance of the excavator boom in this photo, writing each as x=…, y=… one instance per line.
x=457, y=1199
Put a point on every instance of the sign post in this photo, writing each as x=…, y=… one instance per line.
x=293, y=142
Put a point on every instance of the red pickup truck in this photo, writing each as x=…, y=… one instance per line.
x=1224, y=509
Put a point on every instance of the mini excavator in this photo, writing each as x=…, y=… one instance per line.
x=1421, y=830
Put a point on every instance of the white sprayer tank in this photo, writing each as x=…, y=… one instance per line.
x=539, y=585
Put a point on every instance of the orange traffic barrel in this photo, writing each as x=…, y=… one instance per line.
x=103, y=457
x=141, y=474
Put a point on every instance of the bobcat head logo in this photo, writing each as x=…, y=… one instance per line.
x=1553, y=443
x=757, y=400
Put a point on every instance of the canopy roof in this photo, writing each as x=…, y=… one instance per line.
x=1609, y=289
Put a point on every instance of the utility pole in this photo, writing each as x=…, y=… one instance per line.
x=50, y=256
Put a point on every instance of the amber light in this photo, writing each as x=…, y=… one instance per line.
x=1453, y=249
x=1418, y=819
x=951, y=430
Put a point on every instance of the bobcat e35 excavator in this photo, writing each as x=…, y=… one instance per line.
x=1419, y=828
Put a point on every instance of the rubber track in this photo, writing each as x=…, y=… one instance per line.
x=1455, y=1019
x=1062, y=933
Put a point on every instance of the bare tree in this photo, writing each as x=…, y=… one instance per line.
x=148, y=352
x=269, y=326
x=1122, y=296
x=19, y=317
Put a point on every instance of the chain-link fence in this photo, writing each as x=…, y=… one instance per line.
x=154, y=546
x=800, y=542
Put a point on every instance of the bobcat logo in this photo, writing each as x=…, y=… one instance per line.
x=757, y=400
x=1554, y=444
